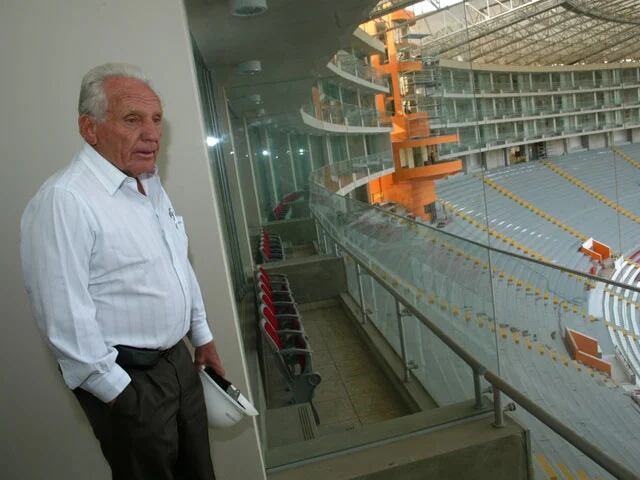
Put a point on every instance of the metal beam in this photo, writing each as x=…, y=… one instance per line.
x=543, y=32
x=492, y=25
x=523, y=36
x=586, y=9
x=621, y=38
x=561, y=44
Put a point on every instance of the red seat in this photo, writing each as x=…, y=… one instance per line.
x=283, y=322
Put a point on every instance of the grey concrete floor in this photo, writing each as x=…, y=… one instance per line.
x=353, y=392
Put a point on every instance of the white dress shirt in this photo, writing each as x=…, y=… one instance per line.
x=105, y=265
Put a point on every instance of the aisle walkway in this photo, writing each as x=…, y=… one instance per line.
x=354, y=391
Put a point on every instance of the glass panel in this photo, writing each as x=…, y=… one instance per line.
x=434, y=279
x=206, y=89
x=302, y=159
x=549, y=163
x=535, y=315
x=352, y=278
x=317, y=152
x=338, y=149
x=348, y=63
x=282, y=163
x=265, y=178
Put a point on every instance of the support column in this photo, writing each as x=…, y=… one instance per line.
x=272, y=173
x=363, y=311
x=251, y=196
x=230, y=154
x=312, y=167
x=291, y=162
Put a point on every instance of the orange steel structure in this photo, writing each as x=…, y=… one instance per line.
x=413, y=187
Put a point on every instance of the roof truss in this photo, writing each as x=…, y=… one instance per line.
x=535, y=32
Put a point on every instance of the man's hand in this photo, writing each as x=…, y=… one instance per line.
x=207, y=355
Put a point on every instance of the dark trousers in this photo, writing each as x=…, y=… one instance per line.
x=157, y=428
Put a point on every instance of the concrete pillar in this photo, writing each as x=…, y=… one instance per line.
x=247, y=175
x=291, y=162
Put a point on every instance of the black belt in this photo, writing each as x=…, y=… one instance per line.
x=134, y=357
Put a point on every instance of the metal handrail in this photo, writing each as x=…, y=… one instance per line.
x=490, y=248
x=479, y=369
x=350, y=64
x=611, y=465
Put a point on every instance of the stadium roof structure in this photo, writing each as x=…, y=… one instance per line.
x=531, y=32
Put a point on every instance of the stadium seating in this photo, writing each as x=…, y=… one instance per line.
x=517, y=314
x=270, y=248
x=281, y=325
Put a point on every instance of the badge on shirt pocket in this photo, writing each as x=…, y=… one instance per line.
x=183, y=239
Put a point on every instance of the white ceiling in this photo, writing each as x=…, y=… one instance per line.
x=292, y=39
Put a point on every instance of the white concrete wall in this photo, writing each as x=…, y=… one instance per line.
x=620, y=137
x=597, y=140
x=555, y=147
x=495, y=158
x=473, y=162
x=47, y=47
x=635, y=135
x=574, y=143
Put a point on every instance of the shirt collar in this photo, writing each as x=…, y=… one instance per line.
x=109, y=176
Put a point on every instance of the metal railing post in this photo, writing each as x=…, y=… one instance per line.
x=477, y=389
x=500, y=386
x=315, y=221
x=361, y=292
x=324, y=242
x=611, y=465
x=498, y=415
x=403, y=340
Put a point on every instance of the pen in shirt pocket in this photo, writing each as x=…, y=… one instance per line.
x=172, y=214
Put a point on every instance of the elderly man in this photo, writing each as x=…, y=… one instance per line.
x=105, y=262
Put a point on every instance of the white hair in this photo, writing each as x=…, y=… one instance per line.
x=93, y=100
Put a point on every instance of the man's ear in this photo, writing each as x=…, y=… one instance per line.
x=87, y=127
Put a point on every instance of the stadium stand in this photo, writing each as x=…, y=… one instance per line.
x=283, y=333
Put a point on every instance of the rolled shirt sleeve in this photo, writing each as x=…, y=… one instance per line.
x=56, y=247
x=199, y=333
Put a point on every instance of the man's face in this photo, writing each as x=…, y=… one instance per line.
x=129, y=135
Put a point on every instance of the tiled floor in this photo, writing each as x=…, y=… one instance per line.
x=353, y=391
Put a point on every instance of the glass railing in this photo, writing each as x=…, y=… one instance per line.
x=465, y=87
x=530, y=134
x=456, y=310
x=337, y=113
x=484, y=113
x=350, y=64
x=344, y=174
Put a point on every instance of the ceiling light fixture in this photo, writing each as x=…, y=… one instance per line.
x=254, y=98
x=247, y=8
x=250, y=67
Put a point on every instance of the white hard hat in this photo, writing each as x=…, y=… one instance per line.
x=225, y=404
